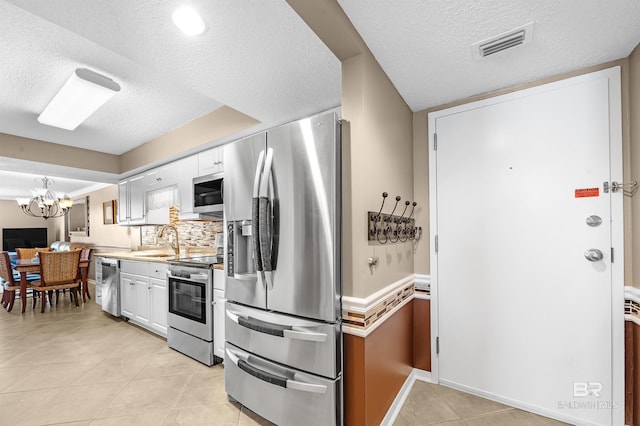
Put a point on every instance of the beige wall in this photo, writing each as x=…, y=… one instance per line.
x=377, y=150
x=380, y=160
x=217, y=124
x=634, y=160
x=106, y=236
x=45, y=152
x=12, y=217
x=631, y=158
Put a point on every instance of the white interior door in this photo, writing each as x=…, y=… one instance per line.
x=521, y=315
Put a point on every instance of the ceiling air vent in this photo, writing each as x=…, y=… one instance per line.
x=504, y=41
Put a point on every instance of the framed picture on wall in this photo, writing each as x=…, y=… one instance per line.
x=108, y=212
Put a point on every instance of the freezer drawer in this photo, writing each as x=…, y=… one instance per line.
x=282, y=395
x=311, y=346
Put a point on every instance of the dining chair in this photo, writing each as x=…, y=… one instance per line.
x=30, y=253
x=85, y=256
x=9, y=284
x=58, y=270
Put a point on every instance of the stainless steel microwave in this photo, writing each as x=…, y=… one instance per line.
x=208, y=194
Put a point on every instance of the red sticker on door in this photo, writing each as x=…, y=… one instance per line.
x=587, y=192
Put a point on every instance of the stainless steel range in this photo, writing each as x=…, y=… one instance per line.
x=190, y=319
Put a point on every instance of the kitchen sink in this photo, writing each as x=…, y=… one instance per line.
x=143, y=254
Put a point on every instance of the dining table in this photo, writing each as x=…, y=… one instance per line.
x=32, y=266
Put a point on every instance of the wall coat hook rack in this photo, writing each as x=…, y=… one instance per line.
x=390, y=228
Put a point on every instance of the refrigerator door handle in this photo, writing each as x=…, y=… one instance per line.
x=305, y=335
x=286, y=331
x=265, y=215
x=255, y=213
x=242, y=362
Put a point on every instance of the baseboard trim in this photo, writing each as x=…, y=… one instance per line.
x=398, y=402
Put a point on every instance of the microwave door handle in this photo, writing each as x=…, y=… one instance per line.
x=255, y=213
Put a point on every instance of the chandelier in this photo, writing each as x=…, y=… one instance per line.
x=44, y=203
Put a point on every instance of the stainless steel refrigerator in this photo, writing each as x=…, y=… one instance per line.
x=282, y=201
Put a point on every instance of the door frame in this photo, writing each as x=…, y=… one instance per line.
x=617, y=225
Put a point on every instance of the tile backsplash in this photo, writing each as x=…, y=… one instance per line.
x=192, y=234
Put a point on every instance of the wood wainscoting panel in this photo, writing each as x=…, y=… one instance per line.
x=376, y=367
x=636, y=374
x=422, y=334
x=628, y=373
x=354, y=383
x=632, y=373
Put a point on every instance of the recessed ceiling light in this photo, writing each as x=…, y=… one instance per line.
x=188, y=20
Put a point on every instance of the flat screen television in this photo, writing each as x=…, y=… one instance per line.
x=23, y=237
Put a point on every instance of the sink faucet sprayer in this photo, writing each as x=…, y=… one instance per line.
x=176, y=249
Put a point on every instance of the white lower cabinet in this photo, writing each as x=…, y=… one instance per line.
x=127, y=295
x=159, y=305
x=218, y=322
x=143, y=308
x=143, y=294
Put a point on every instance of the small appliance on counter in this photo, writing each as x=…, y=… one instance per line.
x=191, y=309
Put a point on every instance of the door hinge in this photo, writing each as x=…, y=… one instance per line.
x=437, y=345
x=436, y=243
x=435, y=141
x=611, y=254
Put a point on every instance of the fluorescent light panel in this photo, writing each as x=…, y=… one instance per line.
x=188, y=20
x=83, y=93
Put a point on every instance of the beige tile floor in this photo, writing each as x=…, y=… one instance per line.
x=429, y=404
x=80, y=366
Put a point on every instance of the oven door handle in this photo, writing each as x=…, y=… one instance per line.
x=278, y=330
x=199, y=278
x=242, y=362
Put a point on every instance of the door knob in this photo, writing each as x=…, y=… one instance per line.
x=593, y=255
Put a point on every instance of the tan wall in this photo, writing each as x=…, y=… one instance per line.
x=12, y=217
x=380, y=160
x=217, y=124
x=634, y=160
x=45, y=152
x=107, y=236
x=631, y=159
x=377, y=154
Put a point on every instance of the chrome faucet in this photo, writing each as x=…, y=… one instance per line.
x=176, y=249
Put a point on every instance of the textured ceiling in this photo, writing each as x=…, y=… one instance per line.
x=424, y=45
x=256, y=56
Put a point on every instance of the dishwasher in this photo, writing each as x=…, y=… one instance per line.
x=110, y=286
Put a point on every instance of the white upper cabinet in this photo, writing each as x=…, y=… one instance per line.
x=187, y=170
x=131, y=197
x=161, y=177
x=210, y=161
